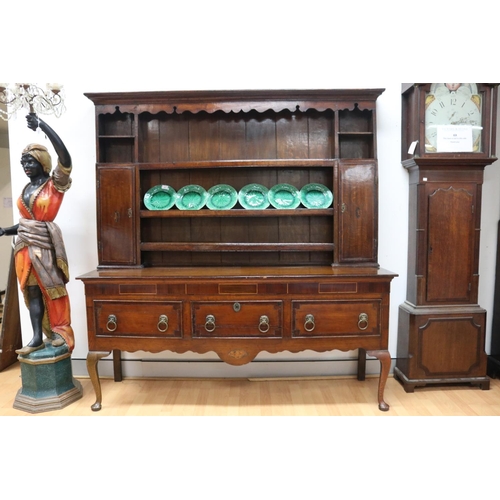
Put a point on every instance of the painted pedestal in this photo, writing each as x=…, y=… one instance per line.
x=47, y=380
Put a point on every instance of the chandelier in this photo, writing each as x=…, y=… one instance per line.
x=35, y=99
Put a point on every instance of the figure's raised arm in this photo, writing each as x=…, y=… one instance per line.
x=34, y=122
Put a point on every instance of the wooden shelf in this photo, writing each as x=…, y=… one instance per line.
x=237, y=247
x=255, y=163
x=346, y=132
x=235, y=212
x=116, y=136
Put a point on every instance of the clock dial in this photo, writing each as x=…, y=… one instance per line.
x=453, y=112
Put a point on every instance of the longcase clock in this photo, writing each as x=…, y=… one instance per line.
x=448, y=138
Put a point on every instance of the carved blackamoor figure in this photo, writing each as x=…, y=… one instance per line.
x=40, y=257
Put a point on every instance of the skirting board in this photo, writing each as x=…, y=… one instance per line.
x=137, y=368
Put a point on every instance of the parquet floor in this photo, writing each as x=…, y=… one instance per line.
x=263, y=397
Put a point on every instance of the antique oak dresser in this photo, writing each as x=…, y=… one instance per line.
x=241, y=280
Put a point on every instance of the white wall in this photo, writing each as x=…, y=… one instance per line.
x=190, y=48
x=6, y=215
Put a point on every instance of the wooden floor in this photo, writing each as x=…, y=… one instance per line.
x=255, y=397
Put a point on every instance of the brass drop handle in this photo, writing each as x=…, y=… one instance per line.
x=264, y=324
x=162, y=323
x=363, y=321
x=112, y=323
x=309, y=324
x=210, y=323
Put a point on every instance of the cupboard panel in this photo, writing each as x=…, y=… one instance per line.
x=451, y=241
x=116, y=221
x=358, y=213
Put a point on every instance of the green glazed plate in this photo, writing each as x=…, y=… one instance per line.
x=160, y=197
x=284, y=196
x=222, y=197
x=254, y=197
x=316, y=196
x=192, y=197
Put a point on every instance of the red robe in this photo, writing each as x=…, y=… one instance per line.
x=51, y=269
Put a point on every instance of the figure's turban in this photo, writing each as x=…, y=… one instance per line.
x=41, y=154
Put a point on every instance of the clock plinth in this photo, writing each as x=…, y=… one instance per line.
x=441, y=345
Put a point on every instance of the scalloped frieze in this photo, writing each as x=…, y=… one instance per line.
x=235, y=101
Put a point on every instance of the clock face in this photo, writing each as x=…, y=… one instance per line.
x=453, y=118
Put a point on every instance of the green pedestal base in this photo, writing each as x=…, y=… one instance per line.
x=47, y=380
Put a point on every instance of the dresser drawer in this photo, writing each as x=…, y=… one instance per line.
x=144, y=319
x=335, y=318
x=237, y=319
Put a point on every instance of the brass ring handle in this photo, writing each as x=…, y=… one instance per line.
x=264, y=324
x=162, y=323
x=210, y=323
x=309, y=324
x=112, y=323
x=363, y=321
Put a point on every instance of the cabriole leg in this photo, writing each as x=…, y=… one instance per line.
x=92, y=358
x=385, y=365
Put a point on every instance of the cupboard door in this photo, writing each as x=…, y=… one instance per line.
x=116, y=222
x=358, y=212
x=450, y=244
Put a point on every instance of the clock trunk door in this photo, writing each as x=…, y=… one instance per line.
x=451, y=240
